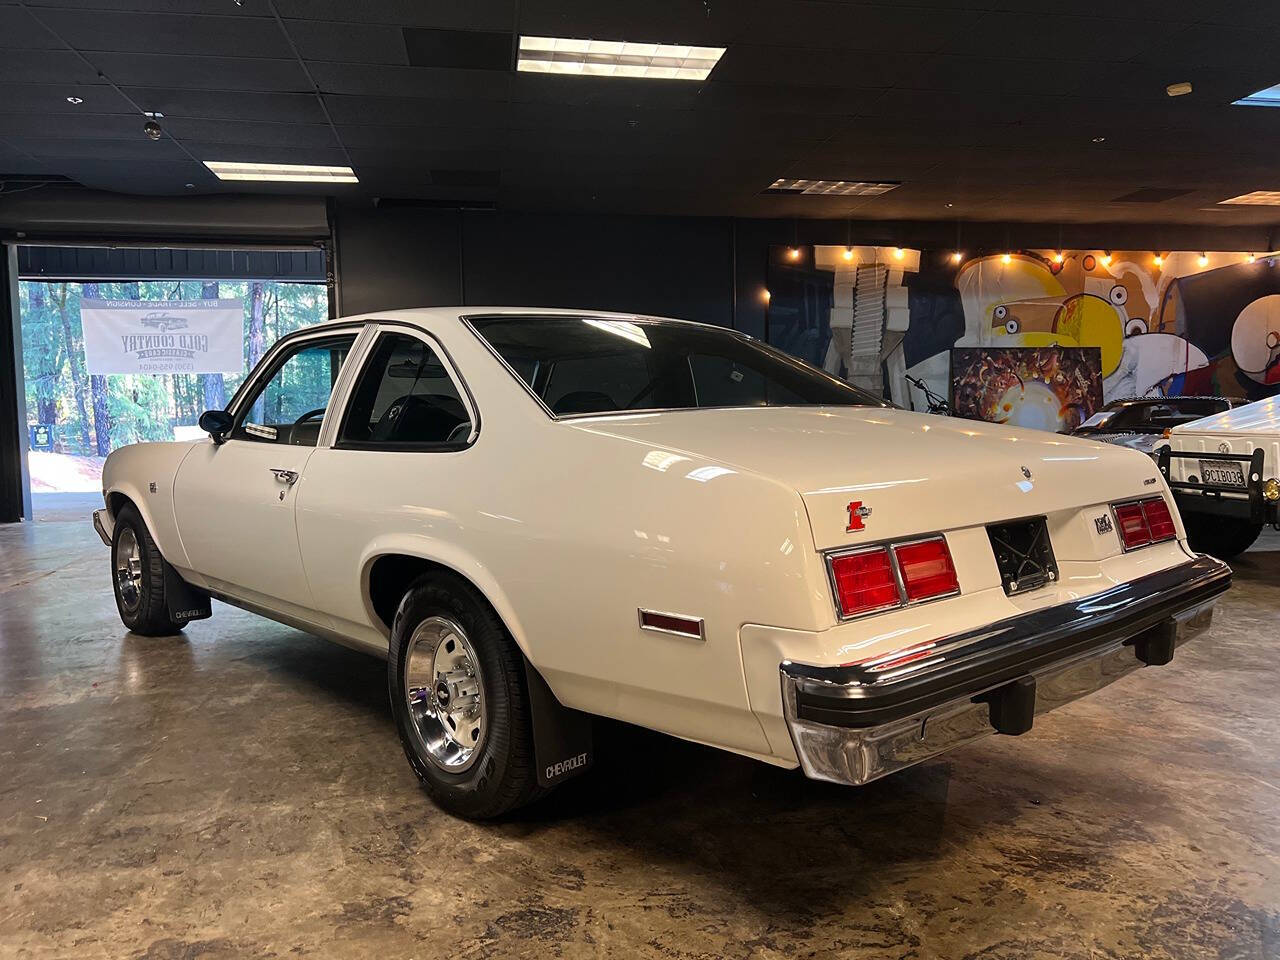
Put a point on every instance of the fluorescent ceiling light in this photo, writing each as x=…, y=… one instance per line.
x=837, y=188
x=293, y=172
x=614, y=58
x=1269, y=97
x=1259, y=198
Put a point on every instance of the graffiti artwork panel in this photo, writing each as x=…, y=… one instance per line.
x=1043, y=388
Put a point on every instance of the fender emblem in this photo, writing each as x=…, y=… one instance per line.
x=857, y=513
x=1026, y=473
x=1103, y=523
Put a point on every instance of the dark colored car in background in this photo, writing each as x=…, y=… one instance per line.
x=1139, y=422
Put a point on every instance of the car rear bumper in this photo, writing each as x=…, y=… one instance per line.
x=858, y=722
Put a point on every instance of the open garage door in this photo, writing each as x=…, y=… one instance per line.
x=123, y=345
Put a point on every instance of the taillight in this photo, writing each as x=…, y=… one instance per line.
x=1144, y=521
x=867, y=580
x=1133, y=525
x=1159, y=520
x=864, y=581
x=926, y=568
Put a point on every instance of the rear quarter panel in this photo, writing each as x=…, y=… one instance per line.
x=568, y=534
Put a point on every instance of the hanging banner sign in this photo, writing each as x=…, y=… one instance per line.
x=163, y=336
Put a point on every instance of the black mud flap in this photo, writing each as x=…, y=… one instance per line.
x=1012, y=706
x=1155, y=647
x=185, y=602
x=562, y=738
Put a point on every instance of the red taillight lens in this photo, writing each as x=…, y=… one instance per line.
x=1159, y=519
x=864, y=581
x=927, y=570
x=1134, y=531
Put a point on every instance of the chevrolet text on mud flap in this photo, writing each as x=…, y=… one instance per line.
x=557, y=770
x=536, y=516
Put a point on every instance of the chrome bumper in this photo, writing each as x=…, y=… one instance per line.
x=99, y=517
x=854, y=724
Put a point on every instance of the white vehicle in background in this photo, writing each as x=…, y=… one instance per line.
x=1224, y=471
x=538, y=516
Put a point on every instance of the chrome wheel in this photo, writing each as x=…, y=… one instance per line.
x=128, y=563
x=444, y=691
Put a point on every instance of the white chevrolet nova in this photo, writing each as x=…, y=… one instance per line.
x=539, y=516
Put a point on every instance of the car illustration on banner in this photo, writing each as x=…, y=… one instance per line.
x=541, y=516
x=163, y=322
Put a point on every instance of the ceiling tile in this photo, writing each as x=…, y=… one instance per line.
x=445, y=14
x=45, y=66
x=230, y=104
x=377, y=80
x=95, y=30
x=202, y=73
x=350, y=42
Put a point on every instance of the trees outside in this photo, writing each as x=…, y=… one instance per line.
x=92, y=415
x=98, y=391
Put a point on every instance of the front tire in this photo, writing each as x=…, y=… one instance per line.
x=137, y=576
x=1221, y=537
x=458, y=693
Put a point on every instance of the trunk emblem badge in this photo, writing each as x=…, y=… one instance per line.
x=1224, y=447
x=857, y=513
x=1026, y=473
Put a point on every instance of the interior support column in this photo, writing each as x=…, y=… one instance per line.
x=15, y=490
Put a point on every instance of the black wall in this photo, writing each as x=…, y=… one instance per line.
x=15, y=503
x=711, y=269
x=409, y=257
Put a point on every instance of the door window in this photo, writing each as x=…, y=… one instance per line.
x=405, y=398
x=289, y=407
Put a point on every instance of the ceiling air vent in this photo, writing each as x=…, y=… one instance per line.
x=1151, y=195
x=458, y=49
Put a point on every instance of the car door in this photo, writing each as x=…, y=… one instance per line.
x=235, y=500
x=395, y=453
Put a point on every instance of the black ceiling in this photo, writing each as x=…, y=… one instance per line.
x=983, y=110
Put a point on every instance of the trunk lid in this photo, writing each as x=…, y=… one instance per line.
x=913, y=472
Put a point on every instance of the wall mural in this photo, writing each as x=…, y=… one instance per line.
x=1171, y=323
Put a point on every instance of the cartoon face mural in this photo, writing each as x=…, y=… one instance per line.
x=1255, y=340
x=1087, y=300
x=1185, y=324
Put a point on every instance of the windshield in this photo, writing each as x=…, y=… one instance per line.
x=1153, y=417
x=582, y=365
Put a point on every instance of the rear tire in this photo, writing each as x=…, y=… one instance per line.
x=458, y=694
x=137, y=577
x=1221, y=537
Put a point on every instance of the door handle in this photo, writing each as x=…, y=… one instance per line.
x=285, y=476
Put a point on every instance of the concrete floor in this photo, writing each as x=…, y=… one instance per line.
x=239, y=792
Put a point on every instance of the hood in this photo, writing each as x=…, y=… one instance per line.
x=916, y=473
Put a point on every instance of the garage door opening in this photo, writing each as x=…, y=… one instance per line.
x=109, y=360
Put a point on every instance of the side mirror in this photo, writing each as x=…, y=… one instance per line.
x=216, y=423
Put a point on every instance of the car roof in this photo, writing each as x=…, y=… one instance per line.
x=419, y=315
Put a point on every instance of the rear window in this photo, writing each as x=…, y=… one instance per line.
x=583, y=365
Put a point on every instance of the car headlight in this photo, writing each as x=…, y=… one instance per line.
x=1271, y=489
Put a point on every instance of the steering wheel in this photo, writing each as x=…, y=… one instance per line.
x=309, y=415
